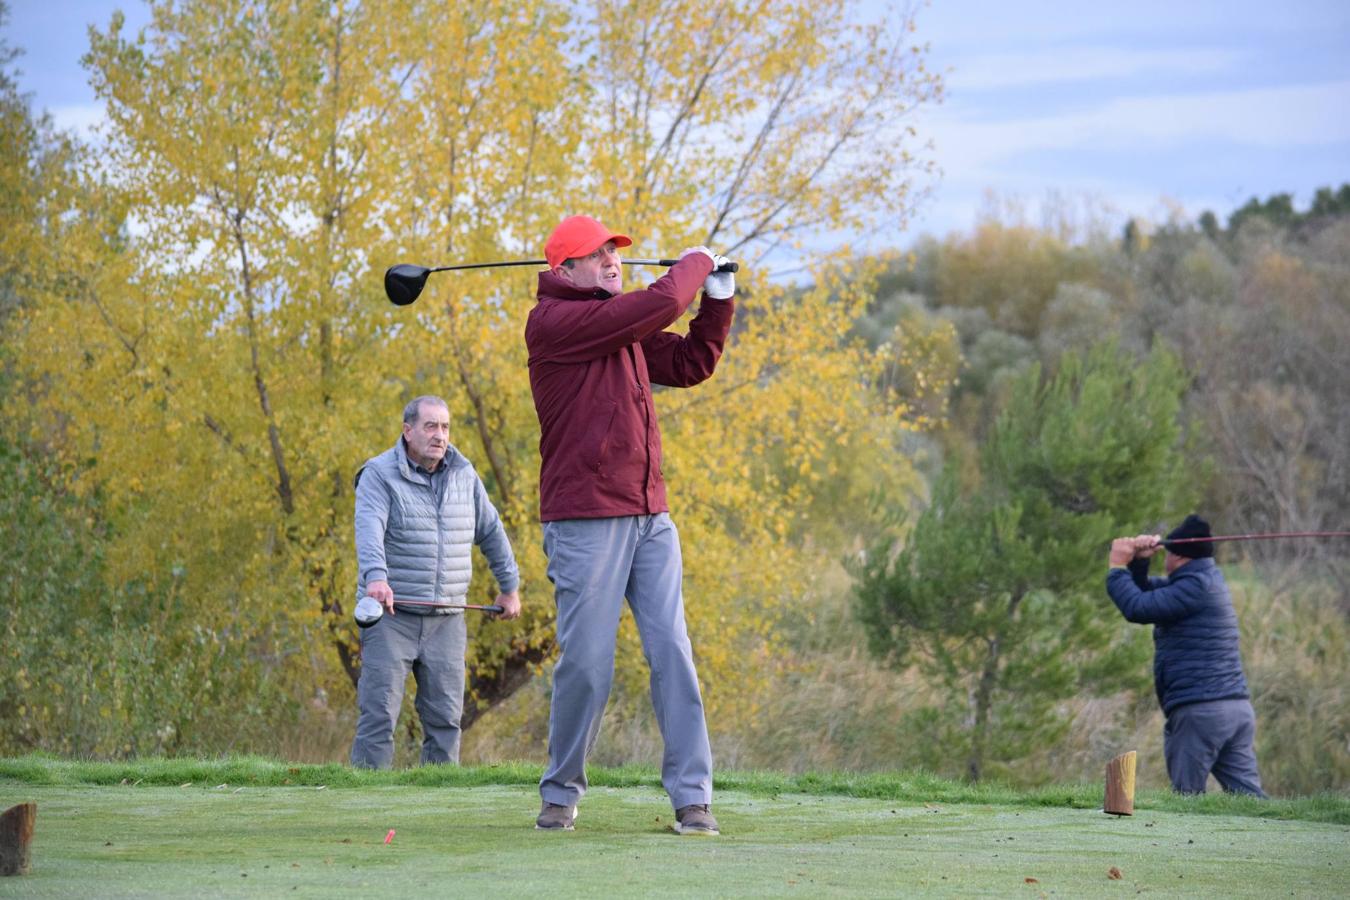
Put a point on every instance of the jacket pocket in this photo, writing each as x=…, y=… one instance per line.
x=599, y=435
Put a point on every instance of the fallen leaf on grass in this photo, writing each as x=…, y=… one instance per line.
x=1114, y=874
x=1030, y=880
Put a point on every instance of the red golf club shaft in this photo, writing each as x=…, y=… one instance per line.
x=1258, y=537
x=491, y=608
x=726, y=267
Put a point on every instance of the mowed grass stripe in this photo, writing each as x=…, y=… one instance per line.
x=237, y=771
x=478, y=840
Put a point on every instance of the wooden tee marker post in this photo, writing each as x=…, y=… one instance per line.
x=16, y=836
x=1120, y=785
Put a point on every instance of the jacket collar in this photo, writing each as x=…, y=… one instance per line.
x=409, y=469
x=1195, y=566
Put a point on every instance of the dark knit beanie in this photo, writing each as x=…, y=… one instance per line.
x=1192, y=527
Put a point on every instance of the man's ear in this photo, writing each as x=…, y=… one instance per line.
x=564, y=271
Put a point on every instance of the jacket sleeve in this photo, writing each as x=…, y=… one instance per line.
x=372, y=519
x=490, y=536
x=1139, y=574
x=1163, y=602
x=579, y=331
x=684, y=361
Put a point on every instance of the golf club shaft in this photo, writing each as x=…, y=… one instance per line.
x=1258, y=537
x=492, y=608
x=727, y=267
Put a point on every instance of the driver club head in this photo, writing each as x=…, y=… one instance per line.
x=368, y=611
x=404, y=282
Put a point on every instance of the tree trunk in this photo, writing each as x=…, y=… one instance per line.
x=487, y=690
x=16, y=835
x=984, y=694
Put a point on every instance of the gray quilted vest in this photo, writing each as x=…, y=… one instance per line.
x=427, y=545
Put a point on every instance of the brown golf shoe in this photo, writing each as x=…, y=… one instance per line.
x=553, y=817
x=695, y=819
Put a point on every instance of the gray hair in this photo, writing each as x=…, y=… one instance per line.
x=414, y=407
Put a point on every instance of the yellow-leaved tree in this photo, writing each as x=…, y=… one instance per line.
x=232, y=362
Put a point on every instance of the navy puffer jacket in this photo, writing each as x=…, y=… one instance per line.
x=1195, y=631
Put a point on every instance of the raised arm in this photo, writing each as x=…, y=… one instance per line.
x=682, y=361
x=582, y=330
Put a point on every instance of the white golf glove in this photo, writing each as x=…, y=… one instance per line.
x=720, y=285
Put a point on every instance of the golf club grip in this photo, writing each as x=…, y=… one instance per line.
x=727, y=266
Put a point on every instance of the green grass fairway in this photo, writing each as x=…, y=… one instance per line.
x=478, y=840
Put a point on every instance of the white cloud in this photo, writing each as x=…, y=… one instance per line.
x=975, y=23
x=1308, y=115
x=1076, y=65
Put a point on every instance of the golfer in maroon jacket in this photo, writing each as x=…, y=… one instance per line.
x=594, y=354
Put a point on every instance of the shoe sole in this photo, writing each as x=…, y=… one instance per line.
x=708, y=832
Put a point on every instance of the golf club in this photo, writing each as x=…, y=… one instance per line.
x=1257, y=537
x=403, y=283
x=369, y=610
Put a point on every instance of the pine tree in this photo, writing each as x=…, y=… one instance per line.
x=996, y=592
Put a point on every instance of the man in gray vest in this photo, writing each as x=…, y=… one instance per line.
x=420, y=507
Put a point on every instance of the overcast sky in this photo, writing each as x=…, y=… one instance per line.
x=1130, y=109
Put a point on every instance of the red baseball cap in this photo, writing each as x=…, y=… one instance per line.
x=579, y=236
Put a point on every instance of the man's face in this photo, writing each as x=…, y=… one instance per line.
x=1172, y=562
x=601, y=269
x=429, y=436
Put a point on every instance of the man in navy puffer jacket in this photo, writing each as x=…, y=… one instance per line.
x=1197, y=669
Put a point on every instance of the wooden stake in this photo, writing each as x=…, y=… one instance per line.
x=1120, y=785
x=16, y=835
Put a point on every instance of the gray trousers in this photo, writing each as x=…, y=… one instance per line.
x=594, y=564
x=432, y=649
x=1217, y=736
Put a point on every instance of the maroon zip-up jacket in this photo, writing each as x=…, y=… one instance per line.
x=593, y=359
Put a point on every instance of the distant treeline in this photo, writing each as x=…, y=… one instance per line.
x=1258, y=311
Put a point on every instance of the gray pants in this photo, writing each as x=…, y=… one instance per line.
x=594, y=564
x=432, y=649
x=1216, y=736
